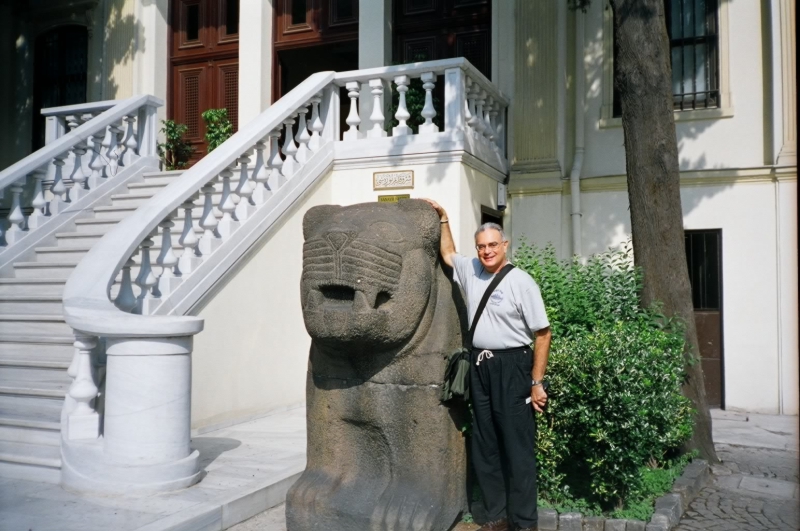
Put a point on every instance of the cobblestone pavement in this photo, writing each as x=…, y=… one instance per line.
x=752, y=489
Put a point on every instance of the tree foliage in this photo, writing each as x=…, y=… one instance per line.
x=175, y=151
x=615, y=374
x=218, y=127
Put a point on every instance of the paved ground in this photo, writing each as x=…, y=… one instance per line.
x=248, y=467
x=756, y=486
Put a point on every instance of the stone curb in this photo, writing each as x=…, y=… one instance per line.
x=668, y=508
x=236, y=509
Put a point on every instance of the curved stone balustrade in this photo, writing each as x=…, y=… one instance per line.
x=136, y=284
x=103, y=137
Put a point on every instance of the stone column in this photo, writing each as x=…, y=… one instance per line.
x=374, y=49
x=151, y=51
x=788, y=153
x=255, y=58
x=148, y=402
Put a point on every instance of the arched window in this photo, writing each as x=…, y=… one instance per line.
x=60, y=63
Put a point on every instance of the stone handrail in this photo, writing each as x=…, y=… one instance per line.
x=137, y=302
x=97, y=146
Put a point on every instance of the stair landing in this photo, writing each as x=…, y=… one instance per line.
x=250, y=467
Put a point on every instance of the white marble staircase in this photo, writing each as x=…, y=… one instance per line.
x=36, y=345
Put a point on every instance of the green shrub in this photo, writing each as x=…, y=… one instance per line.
x=615, y=375
x=176, y=150
x=218, y=127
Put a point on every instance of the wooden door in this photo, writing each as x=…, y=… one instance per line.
x=204, y=64
x=704, y=258
x=313, y=36
x=426, y=30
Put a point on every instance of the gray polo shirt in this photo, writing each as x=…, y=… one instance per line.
x=514, y=311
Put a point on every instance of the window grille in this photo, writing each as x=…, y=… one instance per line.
x=693, y=29
x=694, y=46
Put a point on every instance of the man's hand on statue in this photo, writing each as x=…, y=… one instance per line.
x=436, y=206
x=538, y=398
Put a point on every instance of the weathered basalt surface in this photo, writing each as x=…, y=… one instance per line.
x=383, y=452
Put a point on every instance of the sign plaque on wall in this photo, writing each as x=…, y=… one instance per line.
x=393, y=198
x=392, y=180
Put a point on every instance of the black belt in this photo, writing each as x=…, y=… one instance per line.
x=501, y=351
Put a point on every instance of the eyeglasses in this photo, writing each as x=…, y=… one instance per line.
x=492, y=246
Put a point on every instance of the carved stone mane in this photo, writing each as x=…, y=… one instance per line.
x=383, y=453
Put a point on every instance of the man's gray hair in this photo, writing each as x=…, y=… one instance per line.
x=491, y=226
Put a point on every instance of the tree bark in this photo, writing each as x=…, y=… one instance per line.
x=643, y=78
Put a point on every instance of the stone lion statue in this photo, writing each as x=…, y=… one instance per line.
x=383, y=452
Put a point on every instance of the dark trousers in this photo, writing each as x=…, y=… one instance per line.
x=504, y=434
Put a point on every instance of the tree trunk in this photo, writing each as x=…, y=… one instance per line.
x=643, y=81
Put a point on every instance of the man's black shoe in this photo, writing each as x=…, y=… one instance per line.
x=497, y=525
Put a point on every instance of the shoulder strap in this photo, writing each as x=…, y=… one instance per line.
x=486, y=294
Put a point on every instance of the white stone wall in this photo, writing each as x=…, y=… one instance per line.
x=759, y=277
x=252, y=356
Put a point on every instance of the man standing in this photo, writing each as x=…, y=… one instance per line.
x=505, y=377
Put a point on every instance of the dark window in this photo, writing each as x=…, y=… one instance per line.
x=60, y=59
x=491, y=215
x=298, y=12
x=703, y=258
x=693, y=38
x=193, y=22
x=693, y=29
x=232, y=17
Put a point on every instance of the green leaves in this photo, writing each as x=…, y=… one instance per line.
x=615, y=372
x=218, y=127
x=175, y=151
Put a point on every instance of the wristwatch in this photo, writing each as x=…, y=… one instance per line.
x=534, y=383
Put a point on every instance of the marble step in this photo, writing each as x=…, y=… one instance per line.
x=148, y=187
x=33, y=462
x=30, y=420
x=44, y=270
x=48, y=381
x=30, y=324
x=30, y=304
x=36, y=351
x=162, y=176
x=17, y=287
x=80, y=239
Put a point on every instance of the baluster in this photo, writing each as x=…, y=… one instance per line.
x=112, y=151
x=244, y=190
x=487, y=117
x=428, y=112
x=130, y=153
x=261, y=175
x=38, y=202
x=126, y=300
x=97, y=164
x=227, y=225
x=83, y=422
x=500, y=127
x=302, y=137
x=166, y=258
x=402, y=113
x=208, y=221
x=353, y=120
x=316, y=125
x=80, y=173
x=289, y=149
x=480, y=125
x=469, y=103
x=188, y=240
x=276, y=177
x=472, y=96
x=59, y=191
x=493, y=111
x=376, y=117
x=146, y=279
x=16, y=219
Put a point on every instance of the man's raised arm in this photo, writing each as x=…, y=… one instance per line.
x=447, y=248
